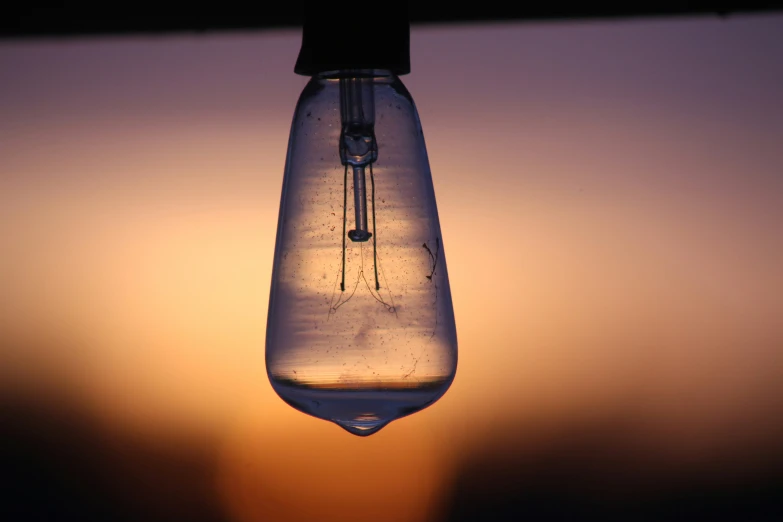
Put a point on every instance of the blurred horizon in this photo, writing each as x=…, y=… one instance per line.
x=611, y=201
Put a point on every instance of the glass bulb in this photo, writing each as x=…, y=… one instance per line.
x=361, y=327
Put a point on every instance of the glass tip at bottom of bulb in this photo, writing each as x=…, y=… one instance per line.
x=363, y=425
x=359, y=236
x=360, y=411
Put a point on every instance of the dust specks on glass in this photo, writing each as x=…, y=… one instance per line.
x=361, y=325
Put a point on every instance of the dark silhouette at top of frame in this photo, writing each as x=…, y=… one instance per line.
x=28, y=19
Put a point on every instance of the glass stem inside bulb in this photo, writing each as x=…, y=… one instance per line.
x=359, y=150
x=360, y=205
x=358, y=147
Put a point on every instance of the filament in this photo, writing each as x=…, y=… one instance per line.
x=374, y=232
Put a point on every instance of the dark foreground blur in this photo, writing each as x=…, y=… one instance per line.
x=594, y=471
x=59, y=464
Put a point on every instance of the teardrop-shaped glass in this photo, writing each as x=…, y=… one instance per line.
x=361, y=325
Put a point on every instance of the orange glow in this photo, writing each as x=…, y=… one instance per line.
x=313, y=473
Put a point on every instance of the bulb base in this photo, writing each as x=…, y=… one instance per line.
x=376, y=36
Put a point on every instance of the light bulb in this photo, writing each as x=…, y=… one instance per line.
x=361, y=326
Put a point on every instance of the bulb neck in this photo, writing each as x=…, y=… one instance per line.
x=374, y=37
x=354, y=73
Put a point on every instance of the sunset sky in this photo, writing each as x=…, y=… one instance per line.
x=611, y=203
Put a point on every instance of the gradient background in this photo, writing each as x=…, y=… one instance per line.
x=611, y=197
